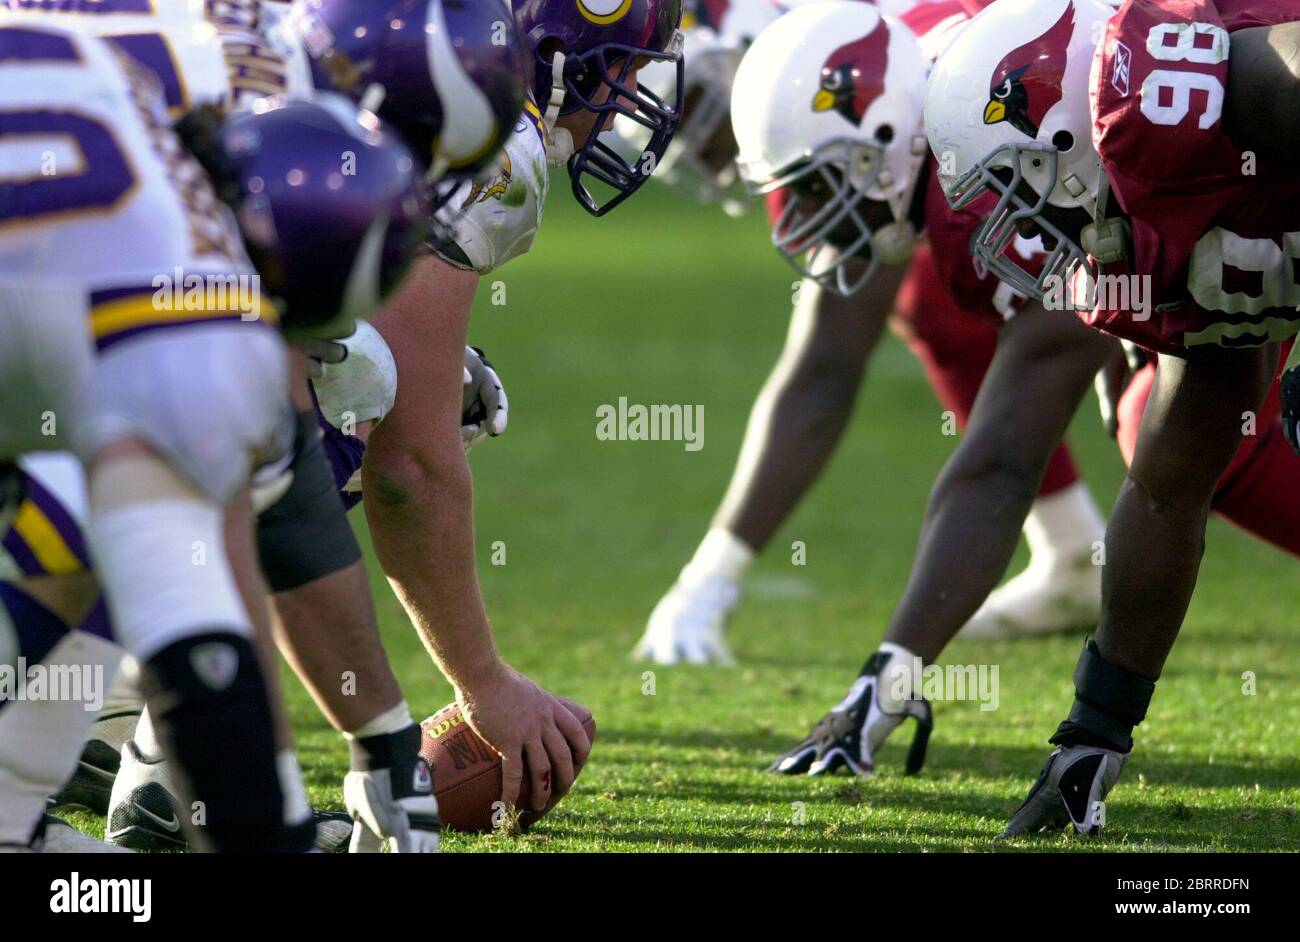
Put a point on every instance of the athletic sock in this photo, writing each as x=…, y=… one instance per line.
x=1063, y=523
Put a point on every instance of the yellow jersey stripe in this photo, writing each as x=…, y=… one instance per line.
x=43, y=539
x=141, y=310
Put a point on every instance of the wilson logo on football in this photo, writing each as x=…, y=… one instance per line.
x=442, y=726
x=1027, y=82
x=604, y=12
x=845, y=87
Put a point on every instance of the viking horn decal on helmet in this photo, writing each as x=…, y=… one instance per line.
x=845, y=87
x=1026, y=84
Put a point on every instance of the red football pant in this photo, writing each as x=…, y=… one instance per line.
x=955, y=348
x=1257, y=491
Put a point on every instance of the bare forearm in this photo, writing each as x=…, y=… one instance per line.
x=971, y=530
x=422, y=527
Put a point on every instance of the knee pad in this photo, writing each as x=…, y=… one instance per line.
x=213, y=717
x=211, y=399
x=164, y=570
x=305, y=535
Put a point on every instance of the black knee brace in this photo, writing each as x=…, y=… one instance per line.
x=1109, y=701
x=211, y=710
x=305, y=535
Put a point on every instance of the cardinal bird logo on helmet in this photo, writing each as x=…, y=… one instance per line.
x=854, y=76
x=1027, y=82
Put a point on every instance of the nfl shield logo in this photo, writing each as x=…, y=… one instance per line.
x=1119, y=74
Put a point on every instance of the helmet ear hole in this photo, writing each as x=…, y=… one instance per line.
x=1063, y=141
x=885, y=133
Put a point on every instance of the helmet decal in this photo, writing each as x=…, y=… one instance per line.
x=1026, y=84
x=604, y=12
x=845, y=87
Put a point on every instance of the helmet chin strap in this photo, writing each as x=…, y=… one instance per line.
x=559, y=142
x=1104, y=239
x=893, y=243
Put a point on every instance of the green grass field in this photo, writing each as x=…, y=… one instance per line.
x=664, y=302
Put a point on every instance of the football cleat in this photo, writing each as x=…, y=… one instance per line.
x=852, y=732
x=688, y=623
x=91, y=785
x=60, y=837
x=1061, y=594
x=1071, y=789
x=142, y=814
x=142, y=808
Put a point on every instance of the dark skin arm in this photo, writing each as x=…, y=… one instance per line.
x=805, y=404
x=1156, y=535
x=1044, y=364
x=1262, y=106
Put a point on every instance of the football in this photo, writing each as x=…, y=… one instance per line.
x=467, y=772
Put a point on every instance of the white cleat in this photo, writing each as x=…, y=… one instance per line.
x=1060, y=595
x=687, y=626
x=62, y=838
x=142, y=810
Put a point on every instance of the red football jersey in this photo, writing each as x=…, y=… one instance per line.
x=1216, y=235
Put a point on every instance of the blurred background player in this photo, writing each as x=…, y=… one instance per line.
x=805, y=404
x=1054, y=146
x=160, y=473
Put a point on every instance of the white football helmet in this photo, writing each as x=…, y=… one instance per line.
x=833, y=92
x=1008, y=112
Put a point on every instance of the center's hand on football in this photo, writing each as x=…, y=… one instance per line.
x=534, y=731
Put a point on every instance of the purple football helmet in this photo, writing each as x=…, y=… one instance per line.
x=302, y=169
x=585, y=53
x=451, y=75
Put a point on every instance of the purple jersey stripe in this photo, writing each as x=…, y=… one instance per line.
x=35, y=45
x=22, y=554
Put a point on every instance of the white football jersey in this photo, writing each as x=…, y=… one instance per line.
x=203, y=52
x=102, y=196
x=503, y=212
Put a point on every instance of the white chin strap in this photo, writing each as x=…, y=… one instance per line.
x=559, y=142
x=893, y=243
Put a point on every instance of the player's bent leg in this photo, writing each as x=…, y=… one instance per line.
x=1255, y=491
x=328, y=631
x=171, y=426
x=1060, y=590
x=1190, y=430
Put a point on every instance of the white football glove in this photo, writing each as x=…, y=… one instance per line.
x=485, y=409
x=355, y=377
x=396, y=804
